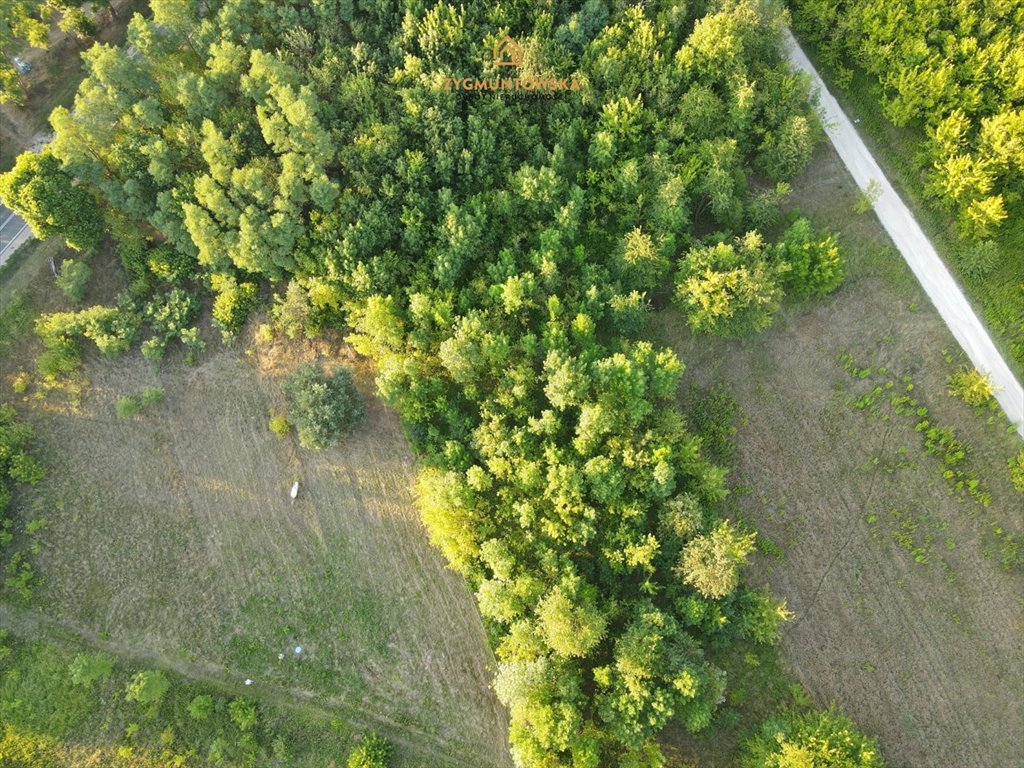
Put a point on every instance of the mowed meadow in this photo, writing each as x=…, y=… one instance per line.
x=906, y=590
x=171, y=536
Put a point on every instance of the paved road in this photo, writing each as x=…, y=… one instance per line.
x=918, y=252
x=13, y=232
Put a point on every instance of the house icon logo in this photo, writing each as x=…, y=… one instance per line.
x=508, y=53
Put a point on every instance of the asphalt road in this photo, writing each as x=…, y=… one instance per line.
x=13, y=232
x=916, y=249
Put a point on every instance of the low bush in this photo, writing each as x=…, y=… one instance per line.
x=279, y=426
x=972, y=386
x=152, y=395
x=373, y=752
x=73, y=277
x=323, y=407
x=128, y=407
x=1016, y=465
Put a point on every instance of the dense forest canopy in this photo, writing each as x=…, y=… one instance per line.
x=495, y=254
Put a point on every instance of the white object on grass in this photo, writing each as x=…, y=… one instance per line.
x=295, y=490
x=248, y=681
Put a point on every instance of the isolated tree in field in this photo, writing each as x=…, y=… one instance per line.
x=729, y=289
x=711, y=563
x=324, y=407
x=52, y=204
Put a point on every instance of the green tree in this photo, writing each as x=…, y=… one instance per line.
x=729, y=289
x=816, y=265
x=148, y=688
x=243, y=714
x=711, y=563
x=814, y=740
x=570, y=621
x=201, y=707
x=323, y=407
x=73, y=277
x=20, y=25
x=53, y=205
x=88, y=668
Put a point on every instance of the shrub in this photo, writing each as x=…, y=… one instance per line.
x=61, y=359
x=279, y=426
x=373, y=752
x=1016, y=465
x=152, y=395
x=322, y=407
x=867, y=198
x=815, y=740
x=88, y=668
x=153, y=349
x=128, y=407
x=977, y=260
x=972, y=386
x=148, y=688
x=243, y=713
x=73, y=278
x=20, y=383
x=201, y=707
x=816, y=265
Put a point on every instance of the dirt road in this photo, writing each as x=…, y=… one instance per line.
x=915, y=247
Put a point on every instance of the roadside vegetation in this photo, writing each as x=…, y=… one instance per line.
x=937, y=86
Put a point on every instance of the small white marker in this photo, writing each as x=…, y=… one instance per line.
x=298, y=649
x=295, y=490
x=248, y=681
x=280, y=657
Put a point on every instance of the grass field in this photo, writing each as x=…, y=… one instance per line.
x=903, y=613
x=171, y=535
